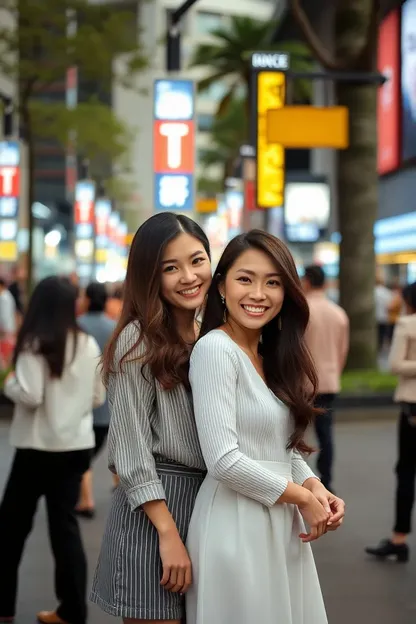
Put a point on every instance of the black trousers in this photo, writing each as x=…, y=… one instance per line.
x=405, y=473
x=324, y=433
x=57, y=477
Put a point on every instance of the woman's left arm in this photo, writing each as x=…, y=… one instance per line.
x=26, y=384
x=303, y=475
x=300, y=469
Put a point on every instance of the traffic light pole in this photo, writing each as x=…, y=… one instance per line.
x=173, y=38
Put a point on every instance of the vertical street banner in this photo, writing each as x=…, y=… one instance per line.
x=174, y=145
x=84, y=217
x=102, y=215
x=388, y=95
x=9, y=199
x=268, y=92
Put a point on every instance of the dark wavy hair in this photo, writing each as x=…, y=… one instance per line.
x=288, y=366
x=50, y=316
x=166, y=353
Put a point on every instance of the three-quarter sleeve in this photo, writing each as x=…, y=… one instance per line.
x=132, y=400
x=300, y=469
x=398, y=360
x=213, y=377
x=27, y=384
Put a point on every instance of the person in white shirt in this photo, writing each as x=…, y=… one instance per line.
x=383, y=300
x=7, y=310
x=55, y=385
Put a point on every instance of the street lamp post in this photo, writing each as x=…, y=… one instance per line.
x=7, y=115
x=173, y=38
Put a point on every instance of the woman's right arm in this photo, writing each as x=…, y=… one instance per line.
x=26, y=384
x=130, y=439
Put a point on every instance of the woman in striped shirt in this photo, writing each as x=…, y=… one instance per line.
x=144, y=569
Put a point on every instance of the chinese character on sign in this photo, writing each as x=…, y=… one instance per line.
x=173, y=191
x=8, y=207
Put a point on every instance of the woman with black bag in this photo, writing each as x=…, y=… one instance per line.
x=403, y=363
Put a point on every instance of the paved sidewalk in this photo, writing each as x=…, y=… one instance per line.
x=357, y=590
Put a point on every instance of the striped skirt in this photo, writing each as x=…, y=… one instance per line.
x=127, y=578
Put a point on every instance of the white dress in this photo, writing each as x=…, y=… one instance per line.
x=249, y=564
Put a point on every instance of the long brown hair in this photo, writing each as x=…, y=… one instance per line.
x=288, y=366
x=49, y=319
x=166, y=353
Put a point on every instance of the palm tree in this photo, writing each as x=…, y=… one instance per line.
x=228, y=133
x=229, y=57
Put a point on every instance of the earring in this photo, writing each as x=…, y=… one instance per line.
x=279, y=323
x=224, y=316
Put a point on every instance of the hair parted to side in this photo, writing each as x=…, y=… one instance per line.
x=288, y=366
x=166, y=353
x=50, y=316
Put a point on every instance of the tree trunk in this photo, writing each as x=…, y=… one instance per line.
x=356, y=45
x=358, y=202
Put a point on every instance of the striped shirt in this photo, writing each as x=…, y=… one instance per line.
x=147, y=421
x=240, y=421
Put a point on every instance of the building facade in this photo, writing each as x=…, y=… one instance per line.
x=136, y=109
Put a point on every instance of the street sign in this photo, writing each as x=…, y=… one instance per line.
x=305, y=127
x=271, y=88
x=174, y=145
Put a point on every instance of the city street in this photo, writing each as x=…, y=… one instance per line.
x=357, y=590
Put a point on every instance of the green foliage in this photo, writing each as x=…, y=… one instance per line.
x=368, y=381
x=228, y=56
x=210, y=186
x=53, y=35
x=228, y=133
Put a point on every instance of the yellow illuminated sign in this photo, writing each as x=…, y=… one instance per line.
x=304, y=127
x=271, y=88
x=8, y=251
x=206, y=204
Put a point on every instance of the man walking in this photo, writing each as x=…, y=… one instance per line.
x=327, y=337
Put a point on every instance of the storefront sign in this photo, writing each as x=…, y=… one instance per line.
x=9, y=199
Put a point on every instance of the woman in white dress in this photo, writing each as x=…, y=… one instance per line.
x=253, y=386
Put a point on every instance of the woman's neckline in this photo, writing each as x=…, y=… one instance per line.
x=241, y=350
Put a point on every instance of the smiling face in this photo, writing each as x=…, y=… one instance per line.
x=186, y=273
x=253, y=290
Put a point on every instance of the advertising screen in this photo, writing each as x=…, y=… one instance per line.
x=408, y=87
x=307, y=209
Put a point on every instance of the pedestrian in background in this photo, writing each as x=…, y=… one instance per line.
x=383, y=300
x=144, y=568
x=8, y=325
x=115, y=303
x=327, y=337
x=97, y=324
x=55, y=385
x=402, y=362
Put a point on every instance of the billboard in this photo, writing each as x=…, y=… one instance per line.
x=388, y=98
x=271, y=87
x=9, y=199
x=307, y=210
x=174, y=145
x=408, y=87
